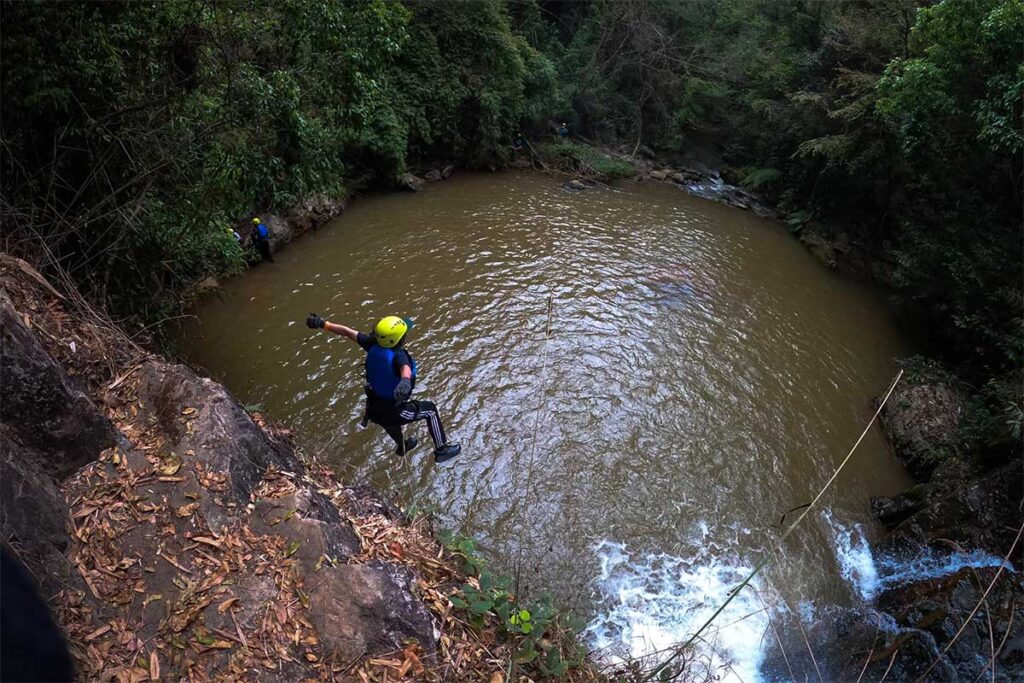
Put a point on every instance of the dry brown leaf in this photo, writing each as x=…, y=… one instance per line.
x=154, y=666
x=187, y=510
x=386, y=662
x=497, y=677
x=208, y=541
x=189, y=411
x=404, y=669
x=171, y=467
x=226, y=605
x=97, y=633
x=84, y=512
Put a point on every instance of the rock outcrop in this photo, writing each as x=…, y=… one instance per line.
x=308, y=214
x=958, y=511
x=190, y=539
x=48, y=428
x=210, y=520
x=922, y=420
x=42, y=409
x=411, y=182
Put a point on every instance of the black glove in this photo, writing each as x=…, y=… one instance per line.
x=314, y=322
x=404, y=390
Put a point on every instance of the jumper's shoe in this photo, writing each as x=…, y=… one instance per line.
x=447, y=452
x=410, y=443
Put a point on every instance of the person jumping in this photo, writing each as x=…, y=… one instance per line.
x=390, y=379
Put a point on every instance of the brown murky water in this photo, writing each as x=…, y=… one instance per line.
x=703, y=375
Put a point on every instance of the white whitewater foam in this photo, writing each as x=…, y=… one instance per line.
x=650, y=602
x=869, y=575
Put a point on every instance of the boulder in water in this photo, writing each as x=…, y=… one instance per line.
x=433, y=175
x=922, y=420
x=412, y=182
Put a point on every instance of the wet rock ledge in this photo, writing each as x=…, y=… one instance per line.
x=176, y=536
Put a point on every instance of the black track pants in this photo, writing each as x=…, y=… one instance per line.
x=263, y=247
x=392, y=417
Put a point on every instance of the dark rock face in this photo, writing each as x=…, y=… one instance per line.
x=219, y=429
x=368, y=608
x=312, y=521
x=433, y=175
x=314, y=211
x=935, y=610
x=48, y=427
x=42, y=409
x=33, y=517
x=960, y=507
x=955, y=508
x=921, y=422
x=892, y=511
x=309, y=214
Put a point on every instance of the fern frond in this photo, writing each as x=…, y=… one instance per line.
x=760, y=177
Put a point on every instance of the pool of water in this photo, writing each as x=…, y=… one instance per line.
x=643, y=382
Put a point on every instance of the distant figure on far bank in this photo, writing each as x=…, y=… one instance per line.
x=518, y=141
x=563, y=130
x=261, y=238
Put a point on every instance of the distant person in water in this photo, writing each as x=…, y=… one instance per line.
x=563, y=130
x=261, y=238
x=390, y=379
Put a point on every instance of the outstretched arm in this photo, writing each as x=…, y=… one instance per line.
x=314, y=321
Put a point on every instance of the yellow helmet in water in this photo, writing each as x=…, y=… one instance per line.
x=390, y=330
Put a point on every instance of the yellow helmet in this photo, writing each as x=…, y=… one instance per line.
x=390, y=330
x=256, y=219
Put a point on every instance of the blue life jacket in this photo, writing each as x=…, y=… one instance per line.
x=262, y=232
x=380, y=371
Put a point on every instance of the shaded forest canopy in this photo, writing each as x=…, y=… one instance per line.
x=136, y=135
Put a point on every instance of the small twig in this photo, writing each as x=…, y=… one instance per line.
x=892, y=660
x=1009, y=628
x=874, y=641
x=810, y=651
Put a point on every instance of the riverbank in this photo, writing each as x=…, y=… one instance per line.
x=174, y=534
x=579, y=165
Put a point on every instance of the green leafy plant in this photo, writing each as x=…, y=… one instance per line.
x=541, y=642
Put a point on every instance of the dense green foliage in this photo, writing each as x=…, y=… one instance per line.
x=134, y=135
x=898, y=122
x=543, y=643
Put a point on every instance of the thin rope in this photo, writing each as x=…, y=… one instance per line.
x=536, y=429
x=764, y=562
